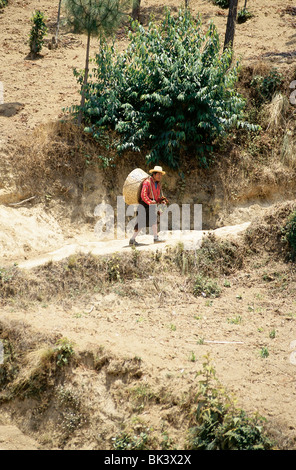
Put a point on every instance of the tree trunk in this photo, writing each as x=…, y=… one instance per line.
x=84, y=80
x=58, y=22
x=231, y=22
x=136, y=10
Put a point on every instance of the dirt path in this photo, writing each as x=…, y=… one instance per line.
x=11, y=438
x=191, y=241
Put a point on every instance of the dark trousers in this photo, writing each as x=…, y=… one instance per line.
x=146, y=216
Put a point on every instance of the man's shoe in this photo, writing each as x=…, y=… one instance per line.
x=133, y=242
x=158, y=240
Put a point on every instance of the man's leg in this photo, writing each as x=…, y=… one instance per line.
x=133, y=238
x=141, y=223
x=153, y=223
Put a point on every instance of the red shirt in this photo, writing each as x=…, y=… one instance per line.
x=149, y=192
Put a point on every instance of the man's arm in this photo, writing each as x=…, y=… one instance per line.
x=145, y=193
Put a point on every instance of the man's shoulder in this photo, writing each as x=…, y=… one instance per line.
x=146, y=182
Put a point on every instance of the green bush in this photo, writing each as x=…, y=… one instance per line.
x=219, y=425
x=126, y=441
x=37, y=33
x=243, y=15
x=266, y=87
x=206, y=287
x=171, y=91
x=63, y=350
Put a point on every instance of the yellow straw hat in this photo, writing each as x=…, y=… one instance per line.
x=157, y=169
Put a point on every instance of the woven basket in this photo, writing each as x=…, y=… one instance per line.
x=132, y=186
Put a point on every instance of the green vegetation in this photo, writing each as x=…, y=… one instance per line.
x=243, y=15
x=3, y=3
x=235, y=321
x=264, y=352
x=171, y=91
x=63, y=351
x=219, y=424
x=272, y=334
x=206, y=287
x=264, y=87
x=128, y=441
x=37, y=33
x=221, y=3
x=94, y=18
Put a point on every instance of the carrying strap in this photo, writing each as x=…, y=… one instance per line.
x=150, y=177
x=161, y=193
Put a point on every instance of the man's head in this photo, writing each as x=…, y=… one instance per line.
x=157, y=173
x=157, y=176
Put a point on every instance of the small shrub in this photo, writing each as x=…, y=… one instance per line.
x=221, y=3
x=127, y=441
x=272, y=334
x=243, y=15
x=37, y=33
x=206, y=287
x=64, y=350
x=264, y=352
x=113, y=269
x=221, y=426
x=266, y=87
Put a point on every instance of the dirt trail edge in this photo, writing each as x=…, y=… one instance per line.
x=190, y=239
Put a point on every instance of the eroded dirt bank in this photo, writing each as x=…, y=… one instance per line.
x=134, y=335
x=137, y=330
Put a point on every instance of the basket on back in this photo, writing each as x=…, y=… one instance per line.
x=132, y=186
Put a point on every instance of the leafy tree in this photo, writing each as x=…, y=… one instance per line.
x=171, y=91
x=93, y=17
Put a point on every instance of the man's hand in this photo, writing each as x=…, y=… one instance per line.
x=164, y=200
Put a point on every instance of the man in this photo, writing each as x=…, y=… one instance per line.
x=151, y=196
